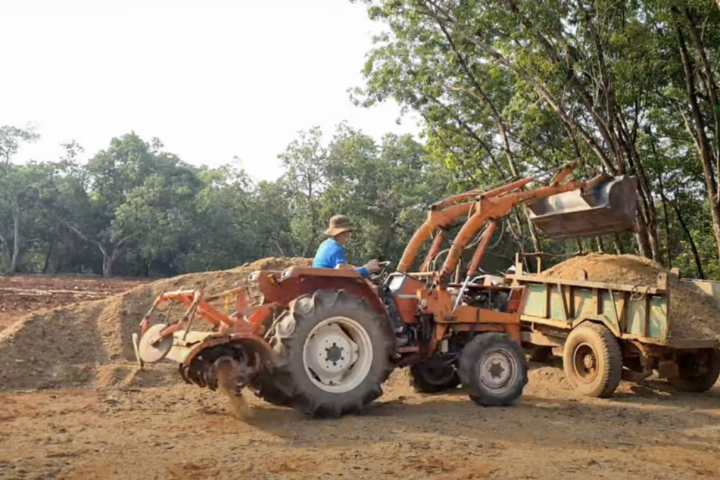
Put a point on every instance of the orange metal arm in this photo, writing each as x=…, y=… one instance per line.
x=495, y=209
x=436, y=219
x=481, y=248
x=433, y=251
x=480, y=207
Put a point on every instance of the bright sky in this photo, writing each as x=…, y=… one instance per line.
x=212, y=79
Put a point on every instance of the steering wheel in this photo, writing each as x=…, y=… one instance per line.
x=379, y=277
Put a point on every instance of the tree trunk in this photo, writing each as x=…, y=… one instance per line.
x=16, y=241
x=5, y=253
x=641, y=236
x=668, y=232
x=108, y=262
x=702, y=141
x=46, y=264
x=693, y=247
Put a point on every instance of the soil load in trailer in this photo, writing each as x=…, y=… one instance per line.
x=618, y=316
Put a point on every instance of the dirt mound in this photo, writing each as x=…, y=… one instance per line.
x=22, y=294
x=61, y=346
x=692, y=314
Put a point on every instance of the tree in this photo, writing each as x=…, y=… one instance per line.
x=18, y=187
x=543, y=83
x=304, y=163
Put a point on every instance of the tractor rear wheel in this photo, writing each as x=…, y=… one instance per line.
x=698, y=371
x=493, y=369
x=264, y=386
x=335, y=352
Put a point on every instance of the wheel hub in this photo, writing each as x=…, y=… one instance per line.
x=496, y=370
x=337, y=354
x=335, y=351
x=585, y=363
x=334, y=354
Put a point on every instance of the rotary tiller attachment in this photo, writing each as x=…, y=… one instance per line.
x=228, y=357
x=609, y=206
x=220, y=364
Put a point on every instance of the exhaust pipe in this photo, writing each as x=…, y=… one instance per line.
x=608, y=207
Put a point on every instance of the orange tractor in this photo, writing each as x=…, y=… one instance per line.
x=324, y=341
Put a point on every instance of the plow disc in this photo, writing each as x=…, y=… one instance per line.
x=152, y=346
x=608, y=207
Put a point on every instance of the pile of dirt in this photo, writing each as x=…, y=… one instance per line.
x=692, y=314
x=23, y=294
x=62, y=347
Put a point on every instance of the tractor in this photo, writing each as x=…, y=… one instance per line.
x=323, y=341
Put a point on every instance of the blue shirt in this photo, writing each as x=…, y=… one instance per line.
x=331, y=254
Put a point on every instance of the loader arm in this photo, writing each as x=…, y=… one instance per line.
x=481, y=208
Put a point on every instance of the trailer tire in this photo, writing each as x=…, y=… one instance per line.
x=352, y=329
x=689, y=380
x=433, y=376
x=476, y=361
x=592, y=360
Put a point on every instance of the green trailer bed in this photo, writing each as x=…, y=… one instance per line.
x=610, y=331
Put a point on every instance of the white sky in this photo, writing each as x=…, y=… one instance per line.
x=212, y=79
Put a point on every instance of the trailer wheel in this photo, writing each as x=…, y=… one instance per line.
x=493, y=369
x=335, y=352
x=698, y=371
x=592, y=360
x=433, y=376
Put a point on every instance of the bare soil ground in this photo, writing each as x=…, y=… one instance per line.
x=146, y=425
x=22, y=294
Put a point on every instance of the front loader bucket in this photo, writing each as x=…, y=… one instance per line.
x=608, y=207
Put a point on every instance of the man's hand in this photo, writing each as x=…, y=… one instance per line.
x=372, y=266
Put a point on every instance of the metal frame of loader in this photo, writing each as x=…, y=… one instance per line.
x=628, y=329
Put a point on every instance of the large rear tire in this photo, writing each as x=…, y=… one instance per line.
x=335, y=352
x=592, y=360
x=493, y=369
x=699, y=372
x=264, y=386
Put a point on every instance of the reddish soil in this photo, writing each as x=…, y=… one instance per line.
x=131, y=424
x=23, y=294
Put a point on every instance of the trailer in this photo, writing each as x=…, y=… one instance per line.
x=610, y=332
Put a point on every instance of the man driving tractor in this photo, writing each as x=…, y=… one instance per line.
x=331, y=254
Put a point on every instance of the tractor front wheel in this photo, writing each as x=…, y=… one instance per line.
x=335, y=352
x=493, y=369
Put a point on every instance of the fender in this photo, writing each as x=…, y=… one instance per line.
x=602, y=320
x=283, y=287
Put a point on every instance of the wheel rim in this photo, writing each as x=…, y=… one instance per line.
x=337, y=354
x=498, y=370
x=585, y=363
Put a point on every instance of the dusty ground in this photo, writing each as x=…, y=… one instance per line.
x=154, y=428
